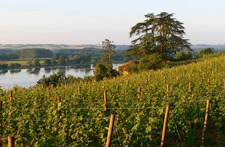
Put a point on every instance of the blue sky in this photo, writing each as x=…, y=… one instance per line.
x=91, y=21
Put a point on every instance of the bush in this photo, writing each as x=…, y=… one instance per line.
x=55, y=79
x=60, y=78
x=102, y=71
x=3, y=66
x=14, y=65
x=154, y=61
x=206, y=51
x=36, y=62
x=47, y=62
x=181, y=56
x=129, y=67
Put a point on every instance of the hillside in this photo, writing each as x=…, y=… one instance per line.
x=37, y=116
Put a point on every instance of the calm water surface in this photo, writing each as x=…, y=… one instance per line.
x=29, y=77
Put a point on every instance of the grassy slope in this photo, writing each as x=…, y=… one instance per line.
x=138, y=121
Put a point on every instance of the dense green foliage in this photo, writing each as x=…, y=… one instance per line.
x=3, y=66
x=62, y=60
x=14, y=65
x=8, y=56
x=181, y=56
x=129, y=67
x=108, y=47
x=160, y=34
x=36, y=62
x=35, y=119
x=154, y=61
x=206, y=51
x=47, y=62
x=33, y=53
x=80, y=56
x=105, y=68
x=80, y=59
x=102, y=71
x=54, y=80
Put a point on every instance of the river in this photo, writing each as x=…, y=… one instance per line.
x=30, y=77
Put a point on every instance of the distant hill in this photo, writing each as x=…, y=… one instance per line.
x=196, y=47
x=202, y=46
x=57, y=46
x=46, y=46
x=5, y=51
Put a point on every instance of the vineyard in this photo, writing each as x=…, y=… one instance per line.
x=79, y=115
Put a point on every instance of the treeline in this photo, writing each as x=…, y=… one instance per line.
x=72, y=56
x=33, y=53
x=8, y=56
x=77, y=51
x=95, y=54
x=25, y=53
x=12, y=65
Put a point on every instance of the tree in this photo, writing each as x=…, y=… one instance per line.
x=154, y=61
x=107, y=53
x=100, y=71
x=53, y=61
x=62, y=60
x=3, y=66
x=33, y=53
x=161, y=34
x=30, y=62
x=206, y=51
x=55, y=79
x=105, y=68
x=14, y=65
x=181, y=55
x=36, y=62
x=47, y=62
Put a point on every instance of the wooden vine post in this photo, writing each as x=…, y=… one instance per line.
x=105, y=100
x=59, y=101
x=11, y=141
x=11, y=97
x=48, y=92
x=205, y=123
x=165, y=125
x=110, y=131
x=189, y=86
x=79, y=90
x=139, y=93
x=167, y=90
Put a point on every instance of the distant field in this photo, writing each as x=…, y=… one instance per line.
x=22, y=62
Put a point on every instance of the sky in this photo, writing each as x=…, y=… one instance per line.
x=92, y=21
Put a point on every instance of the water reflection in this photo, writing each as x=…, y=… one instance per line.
x=4, y=71
x=87, y=70
x=62, y=69
x=15, y=70
x=47, y=69
x=29, y=77
x=34, y=70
